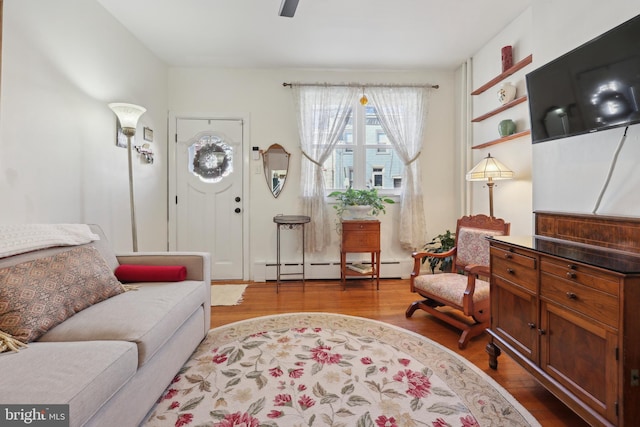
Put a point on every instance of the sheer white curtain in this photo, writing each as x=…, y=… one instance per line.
x=322, y=114
x=402, y=112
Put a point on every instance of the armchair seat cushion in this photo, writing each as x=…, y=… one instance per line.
x=449, y=287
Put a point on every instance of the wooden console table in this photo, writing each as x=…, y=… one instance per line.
x=564, y=305
x=360, y=236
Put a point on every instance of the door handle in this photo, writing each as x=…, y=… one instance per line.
x=237, y=210
x=238, y=199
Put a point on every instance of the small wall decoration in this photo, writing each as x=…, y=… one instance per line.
x=121, y=139
x=148, y=134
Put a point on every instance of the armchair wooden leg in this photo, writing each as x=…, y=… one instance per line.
x=412, y=309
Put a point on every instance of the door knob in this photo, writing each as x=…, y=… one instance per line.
x=238, y=199
x=238, y=210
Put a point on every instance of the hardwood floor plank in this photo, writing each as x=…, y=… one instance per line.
x=389, y=305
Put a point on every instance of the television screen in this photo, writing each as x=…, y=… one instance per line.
x=594, y=87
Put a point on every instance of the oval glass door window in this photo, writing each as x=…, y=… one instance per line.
x=210, y=159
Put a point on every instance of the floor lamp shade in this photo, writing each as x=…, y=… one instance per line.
x=128, y=115
x=489, y=169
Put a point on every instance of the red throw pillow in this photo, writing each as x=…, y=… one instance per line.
x=151, y=273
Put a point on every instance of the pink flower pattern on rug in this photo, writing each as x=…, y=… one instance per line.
x=339, y=373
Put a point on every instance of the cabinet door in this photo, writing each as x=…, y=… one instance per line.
x=581, y=355
x=514, y=315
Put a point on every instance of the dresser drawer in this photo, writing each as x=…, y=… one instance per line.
x=515, y=267
x=373, y=226
x=585, y=300
x=581, y=274
x=360, y=236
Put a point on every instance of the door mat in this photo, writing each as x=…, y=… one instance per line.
x=227, y=294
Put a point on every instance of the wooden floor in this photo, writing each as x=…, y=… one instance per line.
x=389, y=305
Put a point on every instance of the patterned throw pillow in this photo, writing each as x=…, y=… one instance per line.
x=37, y=295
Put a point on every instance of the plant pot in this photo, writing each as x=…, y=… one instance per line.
x=356, y=212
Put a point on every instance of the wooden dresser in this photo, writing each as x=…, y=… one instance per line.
x=360, y=236
x=565, y=304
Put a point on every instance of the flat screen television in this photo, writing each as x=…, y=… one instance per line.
x=593, y=87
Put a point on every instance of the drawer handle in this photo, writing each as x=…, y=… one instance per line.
x=531, y=325
x=542, y=332
x=511, y=271
x=508, y=256
x=571, y=295
x=571, y=275
x=572, y=266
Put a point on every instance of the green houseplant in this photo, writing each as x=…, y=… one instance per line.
x=440, y=244
x=367, y=197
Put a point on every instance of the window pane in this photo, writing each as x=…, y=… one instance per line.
x=347, y=134
x=374, y=133
x=338, y=169
x=384, y=169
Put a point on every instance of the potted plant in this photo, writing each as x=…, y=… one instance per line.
x=440, y=244
x=368, y=200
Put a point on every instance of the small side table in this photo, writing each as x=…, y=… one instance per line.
x=289, y=222
x=360, y=236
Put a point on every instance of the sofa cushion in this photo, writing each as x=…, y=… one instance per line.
x=82, y=374
x=39, y=294
x=147, y=316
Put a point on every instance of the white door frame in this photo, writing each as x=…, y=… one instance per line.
x=172, y=209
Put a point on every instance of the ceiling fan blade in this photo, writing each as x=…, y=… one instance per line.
x=288, y=8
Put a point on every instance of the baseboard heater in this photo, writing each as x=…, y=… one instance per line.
x=327, y=270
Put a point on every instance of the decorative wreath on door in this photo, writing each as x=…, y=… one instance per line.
x=212, y=162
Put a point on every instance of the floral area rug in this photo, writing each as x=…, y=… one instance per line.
x=321, y=369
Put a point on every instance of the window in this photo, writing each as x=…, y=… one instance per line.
x=376, y=178
x=363, y=157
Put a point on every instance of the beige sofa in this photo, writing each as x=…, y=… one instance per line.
x=111, y=361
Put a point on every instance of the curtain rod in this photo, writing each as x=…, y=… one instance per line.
x=362, y=85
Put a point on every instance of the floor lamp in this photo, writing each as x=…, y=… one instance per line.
x=489, y=169
x=128, y=114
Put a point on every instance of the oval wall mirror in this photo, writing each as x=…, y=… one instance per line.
x=276, y=167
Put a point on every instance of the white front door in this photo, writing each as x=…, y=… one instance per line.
x=209, y=202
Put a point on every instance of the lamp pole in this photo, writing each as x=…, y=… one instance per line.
x=490, y=184
x=128, y=114
x=129, y=133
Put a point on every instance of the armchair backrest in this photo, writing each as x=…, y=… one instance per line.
x=472, y=247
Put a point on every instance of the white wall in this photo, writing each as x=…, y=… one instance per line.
x=512, y=198
x=260, y=95
x=569, y=173
x=62, y=63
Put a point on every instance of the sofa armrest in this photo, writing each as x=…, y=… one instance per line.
x=198, y=264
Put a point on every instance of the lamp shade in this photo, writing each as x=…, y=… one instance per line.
x=489, y=168
x=128, y=114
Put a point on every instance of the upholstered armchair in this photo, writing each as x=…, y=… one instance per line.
x=466, y=287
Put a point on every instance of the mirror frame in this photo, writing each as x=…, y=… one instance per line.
x=275, y=149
